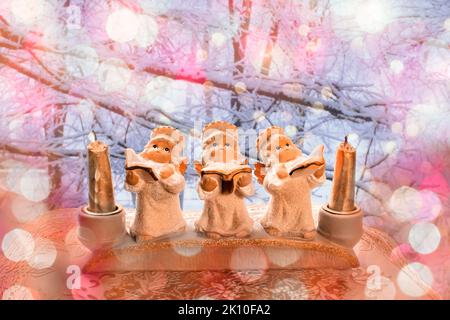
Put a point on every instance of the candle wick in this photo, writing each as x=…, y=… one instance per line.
x=345, y=140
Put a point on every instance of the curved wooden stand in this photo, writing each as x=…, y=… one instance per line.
x=192, y=252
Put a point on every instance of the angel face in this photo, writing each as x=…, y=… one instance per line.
x=283, y=149
x=221, y=149
x=158, y=150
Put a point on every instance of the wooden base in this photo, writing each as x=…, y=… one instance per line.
x=192, y=252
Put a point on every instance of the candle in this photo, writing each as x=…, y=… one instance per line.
x=101, y=191
x=342, y=196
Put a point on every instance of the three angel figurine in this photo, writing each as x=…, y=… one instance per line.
x=156, y=175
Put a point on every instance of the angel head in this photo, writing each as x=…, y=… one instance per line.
x=165, y=145
x=220, y=143
x=274, y=146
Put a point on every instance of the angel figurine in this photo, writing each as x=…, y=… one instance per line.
x=289, y=177
x=225, y=180
x=156, y=175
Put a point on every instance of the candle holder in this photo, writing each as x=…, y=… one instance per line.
x=341, y=219
x=342, y=227
x=101, y=230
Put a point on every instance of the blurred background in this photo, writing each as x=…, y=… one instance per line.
x=376, y=71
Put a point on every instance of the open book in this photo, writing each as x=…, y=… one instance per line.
x=307, y=165
x=226, y=170
x=135, y=161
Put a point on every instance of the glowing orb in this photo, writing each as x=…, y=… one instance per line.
x=259, y=115
x=414, y=278
x=17, y=292
x=327, y=93
x=293, y=90
x=25, y=210
x=290, y=130
x=187, y=252
x=390, y=147
x=412, y=129
x=44, y=254
x=122, y=25
x=218, y=39
x=396, y=66
x=244, y=258
x=372, y=16
x=282, y=256
x=35, y=185
x=424, y=237
x=157, y=87
x=201, y=55
x=86, y=109
x=240, y=87
x=447, y=24
x=313, y=45
x=27, y=11
x=318, y=105
x=303, y=30
x=18, y=245
x=15, y=170
x=431, y=205
x=289, y=289
x=405, y=203
x=147, y=32
x=113, y=75
x=81, y=61
x=343, y=8
x=397, y=127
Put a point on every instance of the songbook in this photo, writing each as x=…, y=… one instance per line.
x=226, y=170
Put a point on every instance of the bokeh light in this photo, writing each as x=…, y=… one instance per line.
x=147, y=32
x=25, y=210
x=44, y=254
x=372, y=15
x=17, y=292
x=81, y=61
x=27, y=11
x=405, y=203
x=303, y=30
x=282, y=256
x=415, y=279
x=18, y=245
x=447, y=24
x=259, y=116
x=122, y=25
x=424, y=237
x=240, y=87
x=35, y=185
x=218, y=39
x=396, y=66
x=187, y=251
x=245, y=258
x=290, y=130
x=113, y=75
x=289, y=289
x=431, y=205
x=294, y=90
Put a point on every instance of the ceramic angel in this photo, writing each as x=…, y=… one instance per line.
x=289, y=177
x=156, y=175
x=225, y=180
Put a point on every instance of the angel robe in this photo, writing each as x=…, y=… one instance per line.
x=289, y=212
x=158, y=211
x=224, y=211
